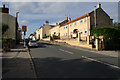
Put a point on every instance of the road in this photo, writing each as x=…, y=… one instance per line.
x=57, y=61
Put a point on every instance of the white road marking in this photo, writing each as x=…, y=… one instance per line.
x=66, y=51
x=101, y=62
x=51, y=46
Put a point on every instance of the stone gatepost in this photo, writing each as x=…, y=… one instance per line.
x=79, y=37
x=97, y=43
x=88, y=40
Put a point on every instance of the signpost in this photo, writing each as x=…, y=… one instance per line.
x=24, y=29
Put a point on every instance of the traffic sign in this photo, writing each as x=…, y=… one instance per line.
x=24, y=28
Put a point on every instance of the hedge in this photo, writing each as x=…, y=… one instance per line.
x=111, y=36
x=108, y=32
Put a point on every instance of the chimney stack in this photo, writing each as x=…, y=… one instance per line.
x=69, y=19
x=3, y=5
x=46, y=21
x=99, y=5
x=4, y=9
x=57, y=24
x=66, y=18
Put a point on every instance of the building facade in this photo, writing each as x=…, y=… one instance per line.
x=81, y=26
x=13, y=31
x=43, y=30
x=39, y=33
x=78, y=27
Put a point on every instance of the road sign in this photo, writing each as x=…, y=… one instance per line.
x=24, y=28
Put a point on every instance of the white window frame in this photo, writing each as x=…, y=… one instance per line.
x=85, y=31
x=85, y=20
x=70, y=25
x=81, y=31
x=66, y=27
x=66, y=34
x=75, y=24
x=81, y=21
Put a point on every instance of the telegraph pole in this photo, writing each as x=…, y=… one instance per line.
x=95, y=15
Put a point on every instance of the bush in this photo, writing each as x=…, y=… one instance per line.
x=55, y=37
x=107, y=32
x=46, y=36
x=4, y=27
x=111, y=35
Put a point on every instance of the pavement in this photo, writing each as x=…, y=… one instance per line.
x=17, y=63
x=111, y=53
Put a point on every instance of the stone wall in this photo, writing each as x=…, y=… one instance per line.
x=46, y=39
x=11, y=22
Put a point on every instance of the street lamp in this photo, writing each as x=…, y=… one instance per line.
x=17, y=14
x=16, y=26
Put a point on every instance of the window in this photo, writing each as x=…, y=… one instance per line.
x=70, y=25
x=57, y=27
x=85, y=31
x=66, y=34
x=74, y=24
x=81, y=31
x=80, y=21
x=85, y=20
x=66, y=26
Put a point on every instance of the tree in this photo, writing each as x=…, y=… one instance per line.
x=3, y=27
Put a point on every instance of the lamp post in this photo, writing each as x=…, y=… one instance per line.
x=17, y=14
x=16, y=26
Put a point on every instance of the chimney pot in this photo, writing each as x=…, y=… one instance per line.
x=46, y=21
x=3, y=5
x=57, y=24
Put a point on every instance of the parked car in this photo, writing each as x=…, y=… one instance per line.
x=33, y=43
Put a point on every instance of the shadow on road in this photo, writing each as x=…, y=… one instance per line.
x=75, y=68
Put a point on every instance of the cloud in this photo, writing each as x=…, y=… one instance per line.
x=22, y=7
x=40, y=7
x=54, y=23
x=40, y=16
x=51, y=7
x=24, y=22
x=0, y=4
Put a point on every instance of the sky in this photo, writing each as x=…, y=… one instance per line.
x=34, y=14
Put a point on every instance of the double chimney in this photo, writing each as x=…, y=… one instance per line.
x=68, y=19
x=4, y=9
